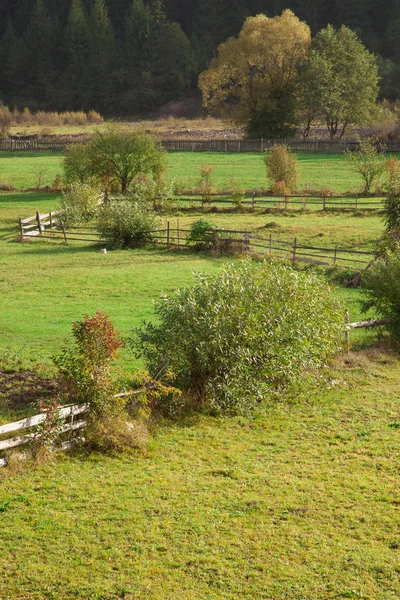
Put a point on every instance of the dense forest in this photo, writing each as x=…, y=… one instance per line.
x=131, y=56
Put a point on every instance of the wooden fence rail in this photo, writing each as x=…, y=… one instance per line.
x=66, y=414
x=188, y=145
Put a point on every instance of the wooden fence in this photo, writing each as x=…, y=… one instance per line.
x=259, y=200
x=68, y=423
x=49, y=226
x=187, y=145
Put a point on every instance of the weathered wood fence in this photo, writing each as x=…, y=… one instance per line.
x=189, y=145
x=226, y=241
x=68, y=424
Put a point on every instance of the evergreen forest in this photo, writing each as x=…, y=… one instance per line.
x=126, y=57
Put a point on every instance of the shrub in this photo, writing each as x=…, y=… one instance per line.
x=86, y=370
x=282, y=166
x=369, y=161
x=234, y=337
x=79, y=204
x=205, y=185
x=237, y=193
x=200, y=231
x=78, y=167
x=127, y=225
x=381, y=289
x=152, y=193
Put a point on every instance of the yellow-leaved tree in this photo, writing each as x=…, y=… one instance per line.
x=251, y=81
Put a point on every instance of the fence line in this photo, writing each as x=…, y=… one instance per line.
x=187, y=145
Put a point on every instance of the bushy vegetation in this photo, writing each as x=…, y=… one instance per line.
x=282, y=167
x=381, y=287
x=79, y=204
x=369, y=161
x=126, y=224
x=233, y=338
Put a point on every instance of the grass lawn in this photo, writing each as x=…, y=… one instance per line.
x=44, y=286
x=297, y=502
x=316, y=170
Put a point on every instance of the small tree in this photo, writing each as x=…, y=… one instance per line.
x=79, y=204
x=369, y=161
x=392, y=212
x=118, y=154
x=282, y=167
x=127, y=224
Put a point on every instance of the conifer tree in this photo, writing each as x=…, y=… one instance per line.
x=76, y=46
x=101, y=57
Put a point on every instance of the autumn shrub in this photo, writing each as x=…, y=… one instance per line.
x=153, y=193
x=79, y=204
x=87, y=370
x=282, y=167
x=126, y=224
x=206, y=186
x=237, y=193
x=233, y=338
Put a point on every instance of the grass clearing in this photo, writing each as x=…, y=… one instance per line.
x=299, y=501
x=330, y=171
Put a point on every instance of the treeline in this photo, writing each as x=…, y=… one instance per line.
x=129, y=56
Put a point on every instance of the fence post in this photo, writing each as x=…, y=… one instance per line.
x=286, y=202
x=63, y=230
x=51, y=219
x=305, y=203
x=202, y=201
x=270, y=244
x=335, y=256
x=356, y=202
x=39, y=222
x=347, y=335
x=178, y=232
x=21, y=228
x=253, y=201
x=294, y=249
x=324, y=205
x=167, y=234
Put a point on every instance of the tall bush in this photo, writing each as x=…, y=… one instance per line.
x=233, y=337
x=79, y=204
x=282, y=167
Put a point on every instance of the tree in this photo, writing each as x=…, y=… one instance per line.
x=369, y=161
x=116, y=155
x=101, y=56
x=282, y=167
x=76, y=43
x=253, y=70
x=340, y=80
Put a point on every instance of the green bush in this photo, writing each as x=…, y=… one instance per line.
x=152, y=193
x=126, y=225
x=381, y=289
x=200, y=232
x=282, y=167
x=234, y=337
x=79, y=204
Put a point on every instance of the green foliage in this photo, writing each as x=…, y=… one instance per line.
x=339, y=83
x=79, y=204
x=152, y=193
x=237, y=193
x=369, y=161
x=381, y=288
x=282, y=167
x=234, y=337
x=117, y=156
x=392, y=206
x=205, y=185
x=200, y=231
x=126, y=224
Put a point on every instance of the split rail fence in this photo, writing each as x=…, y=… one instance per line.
x=68, y=425
x=188, y=145
x=225, y=241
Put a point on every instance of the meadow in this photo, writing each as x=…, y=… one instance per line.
x=22, y=170
x=297, y=500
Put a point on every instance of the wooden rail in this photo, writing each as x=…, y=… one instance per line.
x=64, y=413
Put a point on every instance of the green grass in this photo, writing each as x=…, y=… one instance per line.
x=44, y=286
x=299, y=502
x=316, y=170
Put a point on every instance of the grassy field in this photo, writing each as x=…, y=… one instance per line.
x=45, y=286
x=316, y=170
x=297, y=502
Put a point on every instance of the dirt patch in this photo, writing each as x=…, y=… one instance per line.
x=26, y=388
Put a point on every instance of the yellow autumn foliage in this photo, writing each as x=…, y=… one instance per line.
x=263, y=58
